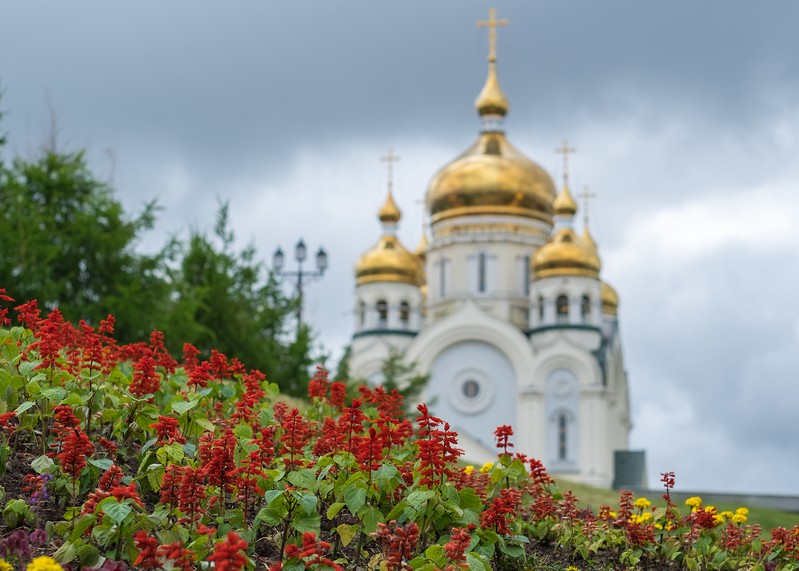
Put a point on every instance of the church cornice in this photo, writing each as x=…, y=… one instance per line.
x=376, y=332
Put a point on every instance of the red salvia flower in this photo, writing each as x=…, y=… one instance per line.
x=319, y=384
x=182, y=558
x=191, y=499
x=350, y=423
x=111, y=478
x=227, y=554
x=122, y=493
x=295, y=436
x=503, y=434
x=75, y=446
x=53, y=335
x=200, y=375
x=265, y=453
x=397, y=543
x=28, y=314
x=162, y=356
x=145, y=380
x=170, y=485
x=338, y=394
x=190, y=353
x=369, y=452
x=219, y=469
x=5, y=421
x=455, y=548
x=148, y=551
x=4, y=320
x=167, y=430
x=312, y=552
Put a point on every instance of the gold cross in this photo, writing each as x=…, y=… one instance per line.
x=390, y=158
x=565, y=150
x=492, y=24
x=586, y=196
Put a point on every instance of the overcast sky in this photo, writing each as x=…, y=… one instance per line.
x=685, y=116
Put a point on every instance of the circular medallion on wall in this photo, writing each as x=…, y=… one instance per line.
x=471, y=391
x=563, y=387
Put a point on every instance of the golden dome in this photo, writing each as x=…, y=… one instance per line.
x=421, y=248
x=588, y=239
x=565, y=255
x=388, y=261
x=492, y=100
x=564, y=204
x=610, y=299
x=389, y=211
x=492, y=178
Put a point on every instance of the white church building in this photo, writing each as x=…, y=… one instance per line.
x=504, y=306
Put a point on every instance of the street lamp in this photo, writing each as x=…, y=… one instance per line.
x=300, y=254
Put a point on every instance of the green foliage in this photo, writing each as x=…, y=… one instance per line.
x=309, y=489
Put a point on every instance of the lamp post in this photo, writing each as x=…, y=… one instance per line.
x=300, y=254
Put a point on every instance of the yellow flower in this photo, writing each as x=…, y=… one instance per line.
x=726, y=514
x=694, y=502
x=486, y=468
x=742, y=511
x=5, y=565
x=738, y=518
x=613, y=514
x=718, y=519
x=572, y=568
x=642, y=503
x=44, y=564
x=639, y=519
x=468, y=470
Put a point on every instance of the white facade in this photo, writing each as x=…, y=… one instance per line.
x=502, y=343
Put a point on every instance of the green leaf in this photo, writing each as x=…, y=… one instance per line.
x=88, y=555
x=334, y=509
x=117, y=512
x=55, y=394
x=370, y=516
x=271, y=495
x=65, y=553
x=182, y=407
x=102, y=463
x=28, y=404
x=354, y=498
x=42, y=464
x=475, y=563
x=303, y=479
x=204, y=423
x=308, y=523
x=436, y=554
x=346, y=532
x=418, y=498
x=308, y=503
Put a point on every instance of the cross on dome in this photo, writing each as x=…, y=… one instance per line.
x=492, y=24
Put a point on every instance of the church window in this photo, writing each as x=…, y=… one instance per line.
x=540, y=309
x=405, y=314
x=382, y=314
x=471, y=389
x=481, y=272
x=442, y=277
x=526, y=275
x=362, y=314
x=562, y=308
x=563, y=437
x=585, y=309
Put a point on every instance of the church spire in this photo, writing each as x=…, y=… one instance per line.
x=492, y=105
x=389, y=213
x=564, y=206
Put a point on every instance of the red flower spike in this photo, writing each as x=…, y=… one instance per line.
x=148, y=551
x=227, y=554
x=503, y=434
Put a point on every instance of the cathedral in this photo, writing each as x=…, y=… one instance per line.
x=504, y=306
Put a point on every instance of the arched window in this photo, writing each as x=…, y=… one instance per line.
x=563, y=436
x=562, y=308
x=362, y=314
x=585, y=309
x=540, y=309
x=382, y=314
x=405, y=314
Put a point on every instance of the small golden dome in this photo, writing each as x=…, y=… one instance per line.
x=389, y=213
x=610, y=299
x=492, y=100
x=565, y=255
x=388, y=261
x=492, y=178
x=564, y=204
x=588, y=239
x=421, y=248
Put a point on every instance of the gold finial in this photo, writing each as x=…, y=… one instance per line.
x=390, y=158
x=491, y=100
x=492, y=24
x=565, y=149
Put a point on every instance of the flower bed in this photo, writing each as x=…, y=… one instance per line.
x=120, y=456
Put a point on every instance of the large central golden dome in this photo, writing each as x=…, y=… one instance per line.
x=491, y=177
